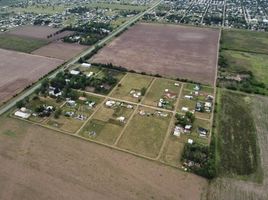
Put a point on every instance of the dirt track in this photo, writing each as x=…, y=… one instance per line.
x=60, y=50
x=18, y=70
x=170, y=50
x=37, y=163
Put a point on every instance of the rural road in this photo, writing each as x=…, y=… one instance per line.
x=29, y=91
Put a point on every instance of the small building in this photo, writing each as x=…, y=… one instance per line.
x=185, y=109
x=202, y=132
x=121, y=119
x=74, y=72
x=86, y=65
x=21, y=114
x=188, y=97
x=110, y=103
x=177, y=131
x=190, y=141
x=90, y=74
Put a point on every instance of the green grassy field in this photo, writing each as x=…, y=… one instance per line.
x=131, y=82
x=237, y=145
x=16, y=43
x=243, y=40
x=145, y=134
x=239, y=62
x=116, y=6
x=157, y=92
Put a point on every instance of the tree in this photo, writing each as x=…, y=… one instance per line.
x=143, y=91
x=57, y=113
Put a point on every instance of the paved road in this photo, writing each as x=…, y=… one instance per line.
x=28, y=92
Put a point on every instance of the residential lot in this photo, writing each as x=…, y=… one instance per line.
x=35, y=161
x=60, y=50
x=146, y=132
x=18, y=70
x=163, y=93
x=23, y=44
x=132, y=88
x=170, y=50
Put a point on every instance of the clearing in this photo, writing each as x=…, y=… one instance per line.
x=169, y=50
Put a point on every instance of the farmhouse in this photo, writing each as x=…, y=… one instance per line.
x=177, y=131
x=202, y=132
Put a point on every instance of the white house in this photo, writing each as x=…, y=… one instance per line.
x=74, y=72
x=22, y=114
x=86, y=65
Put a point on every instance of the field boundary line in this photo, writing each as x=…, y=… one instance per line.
x=171, y=124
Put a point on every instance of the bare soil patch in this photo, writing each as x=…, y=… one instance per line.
x=18, y=70
x=170, y=50
x=60, y=50
x=37, y=163
x=39, y=32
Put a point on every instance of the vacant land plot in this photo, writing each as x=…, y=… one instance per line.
x=169, y=50
x=237, y=139
x=165, y=89
x=22, y=44
x=226, y=188
x=37, y=163
x=243, y=40
x=18, y=70
x=105, y=125
x=60, y=50
x=39, y=32
x=145, y=132
x=131, y=87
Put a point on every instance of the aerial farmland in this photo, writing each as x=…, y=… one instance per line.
x=133, y=99
x=169, y=50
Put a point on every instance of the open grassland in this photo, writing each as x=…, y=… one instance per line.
x=131, y=82
x=37, y=163
x=23, y=44
x=232, y=189
x=117, y=6
x=169, y=50
x=145, y=134
x=237, y=138
x=157, y=91
x=18, y=70
x=243, y=40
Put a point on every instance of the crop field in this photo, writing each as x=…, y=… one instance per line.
x=35, y=161
x=105, y=126
x=60, y=50
x=38, y=32
x=243, y=40
x=23, y=44
x=163, y=89
x=132, y=83
x=18, y=70
x=145, y=133
x=184, y=52
x=233, y=189
x=237, y=139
